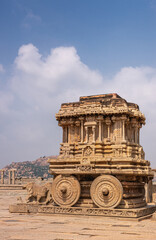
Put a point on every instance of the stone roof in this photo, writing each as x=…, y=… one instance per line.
x=104, y=104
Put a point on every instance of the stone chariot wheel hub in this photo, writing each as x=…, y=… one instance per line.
x=106, y=191
x=65, y=190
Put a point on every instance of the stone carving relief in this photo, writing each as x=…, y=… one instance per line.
x=88, y=151
x=38, y=193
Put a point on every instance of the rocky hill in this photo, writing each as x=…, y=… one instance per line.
x=37, y=168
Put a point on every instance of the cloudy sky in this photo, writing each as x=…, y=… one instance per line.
x=56, y=51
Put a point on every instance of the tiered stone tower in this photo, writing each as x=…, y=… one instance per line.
x=101, y=162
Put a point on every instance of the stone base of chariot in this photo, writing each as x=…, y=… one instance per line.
x=137, y=213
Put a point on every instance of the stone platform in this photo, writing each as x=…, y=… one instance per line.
x=138, y=213
x=11, y=187
x=40, y=226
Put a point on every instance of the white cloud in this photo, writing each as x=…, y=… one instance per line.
x=1, y=68
x=38, y=79
x=136, y=83
x=40, y=84
x=6, y=99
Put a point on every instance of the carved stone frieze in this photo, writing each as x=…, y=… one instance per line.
x=121, y=213
x=88, y=151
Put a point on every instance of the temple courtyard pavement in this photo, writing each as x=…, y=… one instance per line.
x=54, y=227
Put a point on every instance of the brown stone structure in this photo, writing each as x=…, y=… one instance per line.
x=101, y=162
x=101, y=169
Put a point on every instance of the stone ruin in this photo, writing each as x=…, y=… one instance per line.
x=101, y=168
x=11, y=176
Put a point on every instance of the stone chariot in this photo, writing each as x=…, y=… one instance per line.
x=101, y=162
x=101, y=169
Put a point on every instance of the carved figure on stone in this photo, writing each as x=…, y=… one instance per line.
x=88, y=151
x=38, y=193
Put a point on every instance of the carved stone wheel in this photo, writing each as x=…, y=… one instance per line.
x=106, y=191
x=65, y=190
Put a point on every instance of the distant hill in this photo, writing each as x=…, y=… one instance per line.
x=37, y=168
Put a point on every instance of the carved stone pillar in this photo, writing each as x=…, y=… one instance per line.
x=100, y=119
x=77, y=131
x=127, y=130
x=65, y=133
x=136, y=134
x=10, y=177
x=13, y=176
x=100, y=132
x=139, y=133
x=86, y=129
x=148, y=191
x=114, y=127
x=82, y=135
x=108, y=123
x=93, y=130
x=63, y=137
x=134, y=123
x=67, y=130
x=123, y=118
x=133, y=134
x=2, y=176
x=69, y=133
x=123, y=130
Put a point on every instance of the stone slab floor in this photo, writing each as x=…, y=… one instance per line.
x=54, y=227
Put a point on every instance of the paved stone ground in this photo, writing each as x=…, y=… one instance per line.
x=53, y=227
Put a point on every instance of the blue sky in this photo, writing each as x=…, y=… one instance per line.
x=107, y=46
x=107, y=34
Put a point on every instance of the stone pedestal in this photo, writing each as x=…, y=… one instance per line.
x=138, y=213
